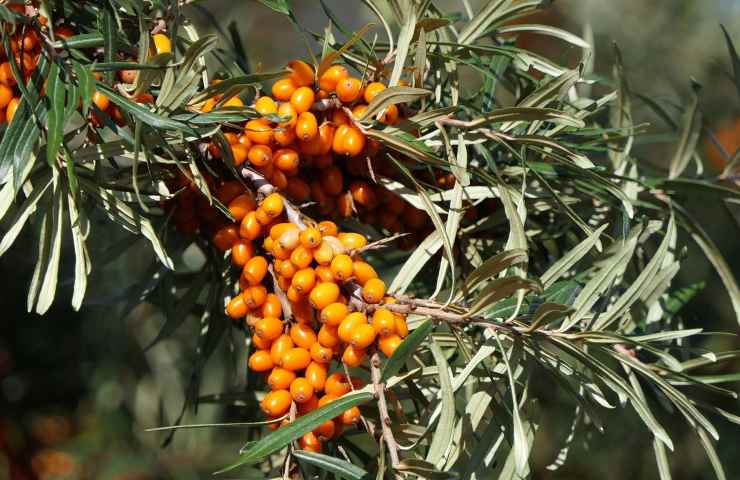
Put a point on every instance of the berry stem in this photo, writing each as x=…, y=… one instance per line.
x=385, y=420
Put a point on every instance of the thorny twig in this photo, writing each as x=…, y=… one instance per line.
x=385, y=420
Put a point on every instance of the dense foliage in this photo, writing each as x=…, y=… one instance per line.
x=424, y=224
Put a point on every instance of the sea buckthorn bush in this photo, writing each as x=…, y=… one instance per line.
x=423, y=236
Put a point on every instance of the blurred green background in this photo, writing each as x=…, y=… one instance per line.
x=78, y=390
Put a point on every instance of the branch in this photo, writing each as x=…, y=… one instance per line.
x=382, y=243
x=385, y=420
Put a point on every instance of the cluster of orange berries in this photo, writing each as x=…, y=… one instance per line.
x=313, y=151
x=317, y=270
x=26, y=47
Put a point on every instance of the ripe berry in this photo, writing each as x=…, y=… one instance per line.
x=333, y=314
x=349, y=89
x=351, y=416
x=309, y=406
x=303, y=335
x=301, y=73
x=363, y=336
x=237, y=308
x=328, y=228
x=353, y=142
x=269, y=328
x=310, y=238
x=265, y=106
x=316, y=375
x=341, y=267
x=302, y=311
x=277, y=403
x=293, y=294
x=328, y=336
x=310, y=443
x=302, y=99
x=240, y=153
x=261, y=343
x=12, y=107
x=374, y=290
x=100, y=101
x=280, y=378
x=323, y=294
x=260, y=361
x=6, y=95
x=352, y=241
x=320, y=353
x=389, y=344
x=337, y=384
x=353, y=356
x=240, y=206
x=332, y=180
x=283, y=89
x=323, y=272
x=295, y=359
x=372, y=90
x=350, y=323
x=326, y=430
x=331, y=77
x=162, y=43
x=259, y=155
x=273, y=205
x=306, y=127
x=250, y=227
x=255, y=270
x=272, y=306
x=258, y=131
x=301, y=390
x=304, y=280
x=384, y=322
x=301, y=257
x=402, y=328
x=286, y=159
x=363, y=194
x=225, y=237
x=327, y=399
x=279, y=346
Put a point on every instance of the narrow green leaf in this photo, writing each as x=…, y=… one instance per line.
x=565, y=263
x=442, y=437
x=391, y=96
x=337, y=466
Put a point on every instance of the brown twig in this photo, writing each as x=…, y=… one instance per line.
x=385, y=420
x=382, y=243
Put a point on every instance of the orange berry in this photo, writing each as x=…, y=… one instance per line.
x=353, y=142
x=320, y=353
x=301, y=390
x=390, y=116
x=293, y=294
x=374, y=290
x=351, y=416
x=272, y=306
x=255, y=296
x=327, y=399
x=328, y=336
x=304, y=280
x=310, y=443
x=12, y=107
x=162, y=43
x=384, y=322
x=298, y=189
x=234, y=101
x=363, y=194
x=372, y=90
x=349, y=89
x=279, y=180
x=324, y=254
x=310, y=237
x=287, y=270
x=240, y=153
x=345, y=205
x=302, y=311
x=261, y=343
x=303, y=335
x=316, y=375
x=265, y=106
x=225, y=237
x=301, y=73
x=259, y=155
x=284, y=136
x=350, y=323
x=260, y=361
x=262, y=217
x=389, y=344
x=332, y=180
x=351, y=240
x=283, y=89
x=295, y=359
x=250, y=228
x=269, y=328
x=273, y=205
x=279, y=346
x=337, y=384
x=334, y=313
x=328, y=228
x=6, y=74
x=258, y=131
x=100, y=101
x=342, y=267
x=240, y=206
x=255, y=270
x=290, y=238
x=280, y=378
x=277, y=403
x=302, y=99
x=331, y=77
x=324, y=160
x=363, y=336
x=287, y=112
x=323, y=272
x=402, y=328
x=229, y=191
x=339, y=117
x=326, y=430
x=353, y=356
x=339, y=137
x=286, y=159
x=237, y=308
x=359, y=110
x=301, y=257
x=323, y=294
x=306, y=128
